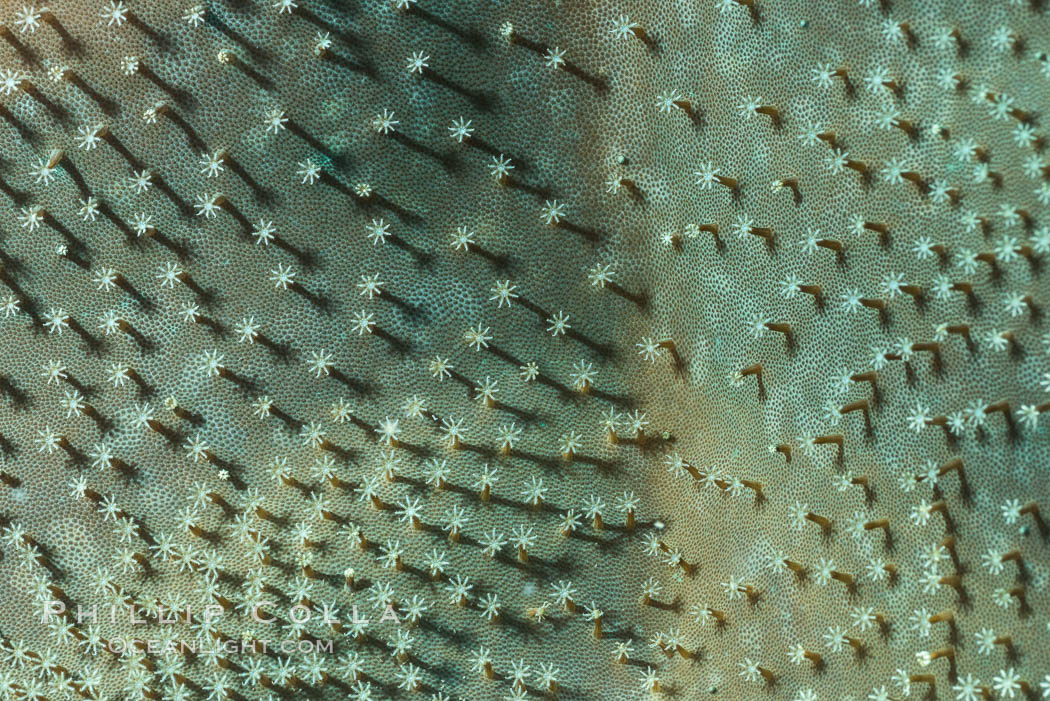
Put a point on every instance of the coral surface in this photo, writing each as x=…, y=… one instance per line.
x=589, y=350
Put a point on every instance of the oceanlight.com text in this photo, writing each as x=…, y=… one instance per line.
x=157, y=646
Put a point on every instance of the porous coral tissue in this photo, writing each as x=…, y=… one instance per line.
x=618, y=349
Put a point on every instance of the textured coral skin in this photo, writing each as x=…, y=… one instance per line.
x=781, y=443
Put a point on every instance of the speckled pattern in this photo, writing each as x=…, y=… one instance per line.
x=884, y=218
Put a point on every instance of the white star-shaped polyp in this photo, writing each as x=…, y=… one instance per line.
x=195, y=16
x=558, y=324
x=56, y=321
x=384, y=122
x=44, y=173
x=142, y=223
x=212, y=164
x=89, y=136
x=417, y=62
x=28, y=19
x=49, y=441
x=89, y=209
x=749, y=108
x=706, y=176
x=191, y=313
x=10, y=81
x=623, y=27
x=208, y=205
x=320, y=362
x=462, y=239
x=264, y=233
x=500, y=167
x=665, y=101
x=275, y=120
x=169, y=274
x=114, y=13
x=142, y=181
x=130, y=65
x=460, y=129
x=211, y=363
x=377, y=231
x=822, y=74
x=106, y=279
x=247, y=330
x=110, y=322
x=362, y=322
x=322, y=43
x=282, y=276
x=370, y=285
x=10, y=305
x=309, y=171
x=552, y=212
x=32, y=218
